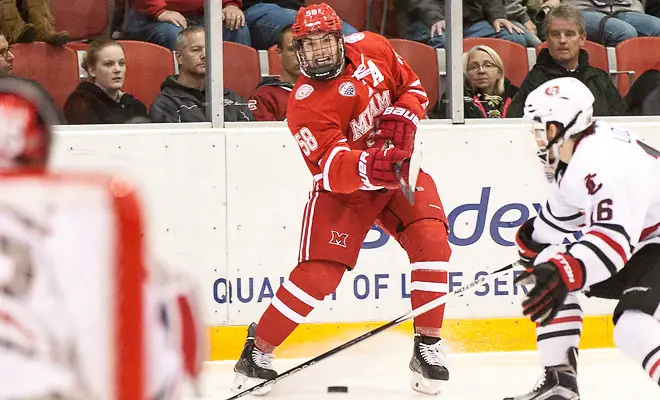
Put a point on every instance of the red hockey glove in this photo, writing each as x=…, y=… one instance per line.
x=376, y=166
x=528, y=248
x=398, y=126
x=552, y=281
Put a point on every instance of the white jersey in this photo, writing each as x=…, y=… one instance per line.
x=35, y=331
x=610, y=190
x=63, y=243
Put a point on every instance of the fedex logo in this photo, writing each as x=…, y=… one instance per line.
x=504, y=222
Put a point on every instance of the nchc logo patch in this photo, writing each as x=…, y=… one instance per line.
x=347, y=89
x=338, y=239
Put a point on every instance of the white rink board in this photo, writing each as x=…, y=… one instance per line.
x=181, y=175
x=235, y=217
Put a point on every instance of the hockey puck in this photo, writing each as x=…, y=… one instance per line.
x=337, y=389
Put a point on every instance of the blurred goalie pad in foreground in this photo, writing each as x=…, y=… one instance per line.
x=72, y=288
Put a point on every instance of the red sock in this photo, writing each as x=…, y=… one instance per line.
x=427, y=285
x=428, y=250
x=308, y=284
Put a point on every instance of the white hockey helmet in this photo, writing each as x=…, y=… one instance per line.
x=566, y=102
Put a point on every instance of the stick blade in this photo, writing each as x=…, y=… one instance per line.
x=415, y=167
x=408, y=188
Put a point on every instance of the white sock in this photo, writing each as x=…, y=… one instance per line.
x=554, y=340
x=637, y=335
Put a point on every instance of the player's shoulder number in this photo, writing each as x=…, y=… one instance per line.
x=306, y=141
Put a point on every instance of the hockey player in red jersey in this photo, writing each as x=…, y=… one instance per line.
x=606, y=183
x=354, y=113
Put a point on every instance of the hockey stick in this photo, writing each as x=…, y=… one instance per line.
x=408, y=188
x=412, y=314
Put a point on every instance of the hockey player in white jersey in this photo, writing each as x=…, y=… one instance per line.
x=605, y=183
x=43, y=355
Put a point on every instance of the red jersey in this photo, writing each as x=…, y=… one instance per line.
x=268, y=102
x=332, y=120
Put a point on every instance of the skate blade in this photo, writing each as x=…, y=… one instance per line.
x=242, y=382
x=427, y=386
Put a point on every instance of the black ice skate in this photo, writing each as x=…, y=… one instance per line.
x=428, y=365
x=557, y=383
x=253, y=367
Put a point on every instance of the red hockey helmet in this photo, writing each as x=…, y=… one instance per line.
x=27, y=113
x=318, y=41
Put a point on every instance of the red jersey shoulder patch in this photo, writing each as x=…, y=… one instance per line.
x=354, y=37
x=304, y=91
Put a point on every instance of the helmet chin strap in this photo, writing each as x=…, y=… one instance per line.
x=563, y=130
x=559, y=165
x=561, y=168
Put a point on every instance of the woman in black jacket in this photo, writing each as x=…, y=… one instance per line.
x=487, y=93
x=100, y=100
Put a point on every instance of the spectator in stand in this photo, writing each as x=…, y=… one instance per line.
x=269, y=100
x=564, y=57
x=6, y=57
x=516, y=12
x=424, y=21
x=643, y=98
x=160, y=21
x=266, y=18
x=488, y=92
x=182, y=97
x=29, y=21
x=100, y=100
x=612, y=22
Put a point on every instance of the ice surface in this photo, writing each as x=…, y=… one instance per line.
x=378, y=369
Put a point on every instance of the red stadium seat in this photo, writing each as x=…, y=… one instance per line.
x=352, y=11
x=637, y=55
x=83, y=19
x=423, y=59
x=78, y=46
x=55, y=68
x=274, y=63
x=147, y=66
x=242, y=71
x=386, y=8
x=513, y=55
